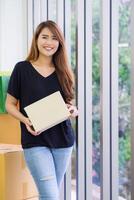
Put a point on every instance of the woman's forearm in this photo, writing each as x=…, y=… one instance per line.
x=13, y=110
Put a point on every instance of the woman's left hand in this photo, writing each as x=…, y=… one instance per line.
x=73, y=110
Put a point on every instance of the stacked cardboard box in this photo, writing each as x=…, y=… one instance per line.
x=9, y=127
x=9, y=130
x=16, y=182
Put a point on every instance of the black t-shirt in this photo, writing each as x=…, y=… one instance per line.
x=28, y=85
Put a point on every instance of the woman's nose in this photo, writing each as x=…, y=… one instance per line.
x=49, y=41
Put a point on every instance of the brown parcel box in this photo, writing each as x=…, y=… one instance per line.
x=16, y=182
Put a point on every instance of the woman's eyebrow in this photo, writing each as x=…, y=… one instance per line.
x=48, y=35
x=44, y=35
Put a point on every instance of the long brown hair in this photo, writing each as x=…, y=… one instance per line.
x=60, y=60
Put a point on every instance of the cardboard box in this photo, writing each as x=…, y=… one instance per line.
x=16, y=182
x=47, y=112
x=9, y=130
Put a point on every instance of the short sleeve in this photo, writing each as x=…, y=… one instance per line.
x=14, y=83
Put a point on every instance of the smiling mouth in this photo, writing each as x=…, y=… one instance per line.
x=48, y=48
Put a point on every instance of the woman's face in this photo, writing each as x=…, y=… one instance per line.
x=47, y=43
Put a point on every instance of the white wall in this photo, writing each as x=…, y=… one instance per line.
x=13, y=33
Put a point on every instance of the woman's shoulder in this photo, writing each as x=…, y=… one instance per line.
x=21, y=65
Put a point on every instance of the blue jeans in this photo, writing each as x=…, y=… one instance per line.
x=47, y=167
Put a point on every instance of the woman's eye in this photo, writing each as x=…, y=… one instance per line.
x=54, y=38
x=44, y=37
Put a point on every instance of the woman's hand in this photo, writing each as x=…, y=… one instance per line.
x=28, y=124
x=73, y=110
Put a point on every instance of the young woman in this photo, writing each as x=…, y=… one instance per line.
x=45, y=71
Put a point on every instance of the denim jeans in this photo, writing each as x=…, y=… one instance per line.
x=47, y=167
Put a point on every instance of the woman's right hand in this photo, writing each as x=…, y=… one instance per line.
x=28, y=125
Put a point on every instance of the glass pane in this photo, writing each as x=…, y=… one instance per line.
x=73, y=65
x=124, y=100
x=96, y=100
x=52, y=10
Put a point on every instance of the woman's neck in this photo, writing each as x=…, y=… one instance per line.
x=43, y=61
